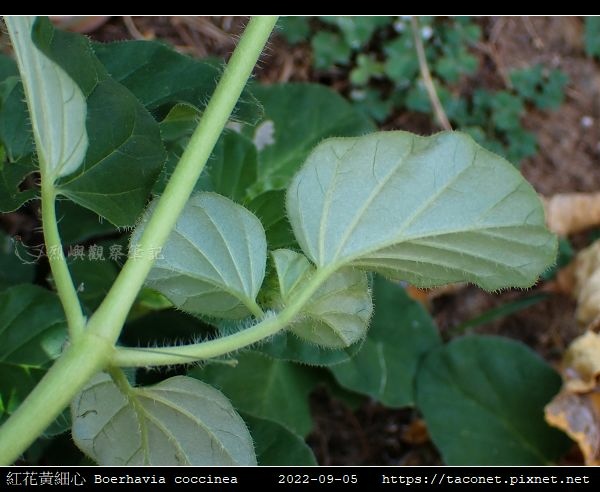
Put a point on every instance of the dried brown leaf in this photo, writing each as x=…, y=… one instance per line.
x=579, y=416
x=587, y=283
x=576, y=409
x=582, y=364
x=567, y=213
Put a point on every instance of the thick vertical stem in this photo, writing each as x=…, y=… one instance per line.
x=111, y=315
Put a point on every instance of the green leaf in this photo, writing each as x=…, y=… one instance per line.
x=16, y=144
x=179, y=123
x=302, y=115
x=592, y=36
x=357, y=30
x=8, y=67
x=507, y=110
x=372, y=103
x=294, y=29
x=287, y=346
x=92, y=275
x=78, y=224
x=338, y=314
x=502, y=311
x=367, y=66
x=552, y=94
x=32, y=332
x=232, y=168
x=429, y=210
x=165, y=327
x=265, y=388
x=293, y=269
x=401, y=333
x=160, y=77
x=329, y=49
x=526, y=80
x=12, y=174
x=401, y=63
x=123, y=160
x=483, y=401
x=213, y=262
x=179, y=421
x=56, y=104
x=269, y=207
x=15, y=127
x=13, y=270
x=277, y=446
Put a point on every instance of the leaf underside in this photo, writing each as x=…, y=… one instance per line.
x=126, y=153
x=179, y=421
x=338, y=314
x=213, y=262
x=57, y=105
x=429, y=210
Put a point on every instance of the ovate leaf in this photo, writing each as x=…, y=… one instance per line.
x=429, y=210
x=265, y=388
x=400, y=335
x=338, y=314
x=56, y=104
x=180, y=421
x=300, y=116
x=277, y=446
x=213, y=263
x=32, y=332
x=126, y=153
x=483, y=401
x=160, y=77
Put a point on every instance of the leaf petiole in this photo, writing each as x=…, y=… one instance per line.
x=185, y=354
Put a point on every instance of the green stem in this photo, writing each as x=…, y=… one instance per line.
x=93, y=349
x=112, y=313
x=58, y=265
x=254, y=308
x=84, y=358
x=141, y=357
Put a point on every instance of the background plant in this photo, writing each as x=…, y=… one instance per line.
x=378, y=56
x=253, y=168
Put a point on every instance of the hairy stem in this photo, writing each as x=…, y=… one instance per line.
x=110, y=316
x=84, y=358
x=93, y=349
x=140, y=357
x=58, y=265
